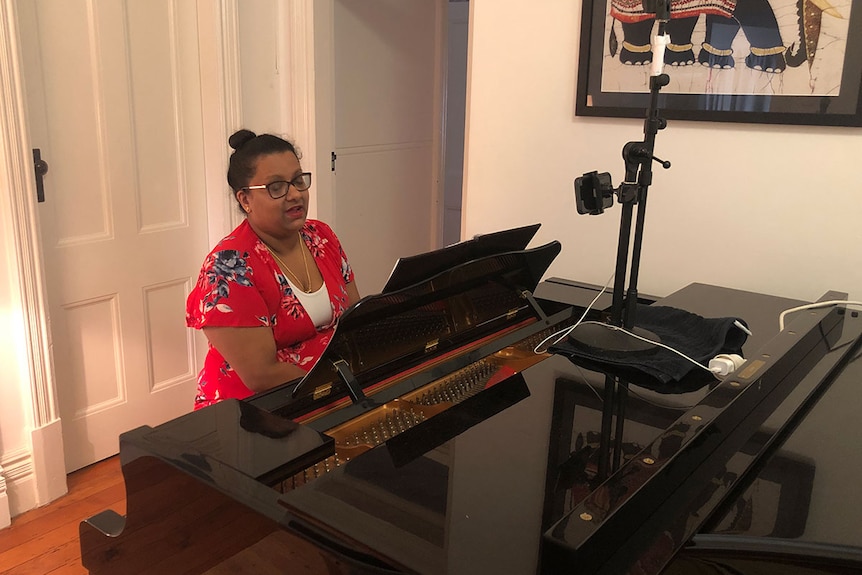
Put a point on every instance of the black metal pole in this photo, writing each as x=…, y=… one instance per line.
x=644, y=155
x=640, y=158
x=618, y=305
x=608, y=404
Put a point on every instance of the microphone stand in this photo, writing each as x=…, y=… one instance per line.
x=638, y=158
x=640, y=155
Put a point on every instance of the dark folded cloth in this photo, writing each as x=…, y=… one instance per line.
x=657, y=368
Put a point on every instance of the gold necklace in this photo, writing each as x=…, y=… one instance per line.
x=306, y=287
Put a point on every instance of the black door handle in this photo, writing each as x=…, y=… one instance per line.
x=41, y=168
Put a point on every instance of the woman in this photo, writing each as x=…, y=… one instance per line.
x=268, y=295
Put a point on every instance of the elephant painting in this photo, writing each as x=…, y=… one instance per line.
x=724, y=20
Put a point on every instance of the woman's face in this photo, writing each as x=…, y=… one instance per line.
x=281, y=217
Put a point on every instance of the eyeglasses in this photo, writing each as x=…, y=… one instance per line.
x=279, y=188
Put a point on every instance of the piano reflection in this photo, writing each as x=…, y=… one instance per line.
x=432, y=438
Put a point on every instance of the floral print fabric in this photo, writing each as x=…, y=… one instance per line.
x=241, y=285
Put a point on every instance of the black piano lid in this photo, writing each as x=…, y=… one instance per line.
x=454, y=307
x=800, y=505
x=659, y=499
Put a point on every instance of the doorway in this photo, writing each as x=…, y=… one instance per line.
x=390, y=124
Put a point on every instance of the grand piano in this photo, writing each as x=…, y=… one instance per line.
x=433, y=437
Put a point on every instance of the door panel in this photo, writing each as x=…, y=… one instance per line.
x=385, y=64
x=116, y=108
x=169, y=362
x=387, y=121
x=388, y=215
x=91, y=353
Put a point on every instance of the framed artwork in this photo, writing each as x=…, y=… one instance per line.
x=759, y=61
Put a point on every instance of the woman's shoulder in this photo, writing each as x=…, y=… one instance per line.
x=241, y=243
x=319, y=228
x=241, y=238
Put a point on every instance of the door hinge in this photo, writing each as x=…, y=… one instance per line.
x=40, y=166
x=332, y=161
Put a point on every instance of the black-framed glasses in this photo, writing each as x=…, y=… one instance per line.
x=279, y=188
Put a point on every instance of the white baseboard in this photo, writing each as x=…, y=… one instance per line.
x=30, y=479
x=20, y=483
x=49, y=462
x=5, y=513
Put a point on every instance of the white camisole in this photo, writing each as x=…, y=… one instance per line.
x=316, y=304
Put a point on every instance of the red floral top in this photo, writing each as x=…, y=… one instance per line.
x=241, y=285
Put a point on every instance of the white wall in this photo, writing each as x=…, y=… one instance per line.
x=277, y=75
x=765, y=208
x=264, y=68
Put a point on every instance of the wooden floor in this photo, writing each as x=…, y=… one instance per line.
x=45, y=540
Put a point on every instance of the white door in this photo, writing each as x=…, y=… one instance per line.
x=387, y=92
x=114, y=100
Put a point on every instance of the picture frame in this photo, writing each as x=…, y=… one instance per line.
x=818, y=85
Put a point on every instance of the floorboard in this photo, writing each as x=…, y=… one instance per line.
x=44, y=541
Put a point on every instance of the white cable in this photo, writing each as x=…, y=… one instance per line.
x=741, y=326
x=564, y=332
x=636, y=336
x=815, y=305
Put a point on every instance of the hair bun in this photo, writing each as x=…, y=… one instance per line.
x=240, y=138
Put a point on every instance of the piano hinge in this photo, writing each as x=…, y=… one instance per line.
x=431, y=345
x=353, y=387
x=525, y=294
x=322, y=391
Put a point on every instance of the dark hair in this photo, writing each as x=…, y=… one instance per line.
x=248, y=147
